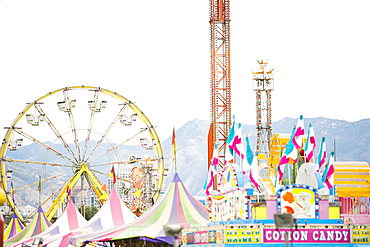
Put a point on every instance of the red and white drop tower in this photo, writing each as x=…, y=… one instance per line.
x=221, y=118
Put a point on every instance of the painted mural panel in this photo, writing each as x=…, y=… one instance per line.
x=299, y=200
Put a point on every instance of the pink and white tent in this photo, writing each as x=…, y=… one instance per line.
x=113, y=213
x=70, y=219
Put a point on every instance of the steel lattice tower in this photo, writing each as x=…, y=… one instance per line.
x=221, y=118
x=263, y=84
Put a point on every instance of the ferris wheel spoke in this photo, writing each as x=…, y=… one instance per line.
x=44, y=145
x=91, y=122
x=110, y=163
x=104, y=136
x=56, y=132
x=15, y=190
x=34, y=162
x=124, y=162
x=107, y=174
x=72, y=122
x=117, y=146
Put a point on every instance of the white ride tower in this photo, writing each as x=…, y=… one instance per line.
x=263, y=84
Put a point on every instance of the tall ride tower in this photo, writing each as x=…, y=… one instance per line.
x=221, y=118
x=263, y=84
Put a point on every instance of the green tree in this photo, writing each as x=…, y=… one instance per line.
x=88, y=212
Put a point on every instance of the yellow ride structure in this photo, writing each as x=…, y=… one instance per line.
x=268, y=164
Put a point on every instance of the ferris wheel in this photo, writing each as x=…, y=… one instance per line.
x=78, y=134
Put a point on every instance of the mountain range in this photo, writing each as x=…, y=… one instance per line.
x=351, y=141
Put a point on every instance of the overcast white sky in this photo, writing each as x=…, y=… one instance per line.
x=156, y=53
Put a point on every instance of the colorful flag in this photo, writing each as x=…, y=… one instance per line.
x=11, y=188
x=173, y=147
x=322, y=155
x=310, y=144
x=290, y=154
x=214, y=161
x=69, y=192
x=12, y=191
x=299, y=133
x=137, y=193
x=39, y=185
x=253, y=174
x=237, y=144
x=212, y=171
x=138, y=184
x=229, y=152
x=113, y=175
x=248, y=156
x=231, y=132
x=104, y=187
x=328, y=176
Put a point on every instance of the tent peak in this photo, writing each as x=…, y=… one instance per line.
x=39, y=209
x=176, y=178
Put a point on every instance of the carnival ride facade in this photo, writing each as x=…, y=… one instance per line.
x=83, y=132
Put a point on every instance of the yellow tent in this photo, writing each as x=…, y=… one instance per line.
x=352, y=178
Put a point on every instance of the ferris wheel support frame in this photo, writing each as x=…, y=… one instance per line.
x=102, y=195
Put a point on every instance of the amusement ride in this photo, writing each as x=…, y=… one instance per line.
x=80, y=135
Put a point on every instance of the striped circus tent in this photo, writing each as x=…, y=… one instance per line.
x=176, y=206
x=352, y=178
x=70, y=219
x=38, y=224
x=113, y=213
x=15, y=226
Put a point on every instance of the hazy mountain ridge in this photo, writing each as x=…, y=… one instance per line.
x=352, y=142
